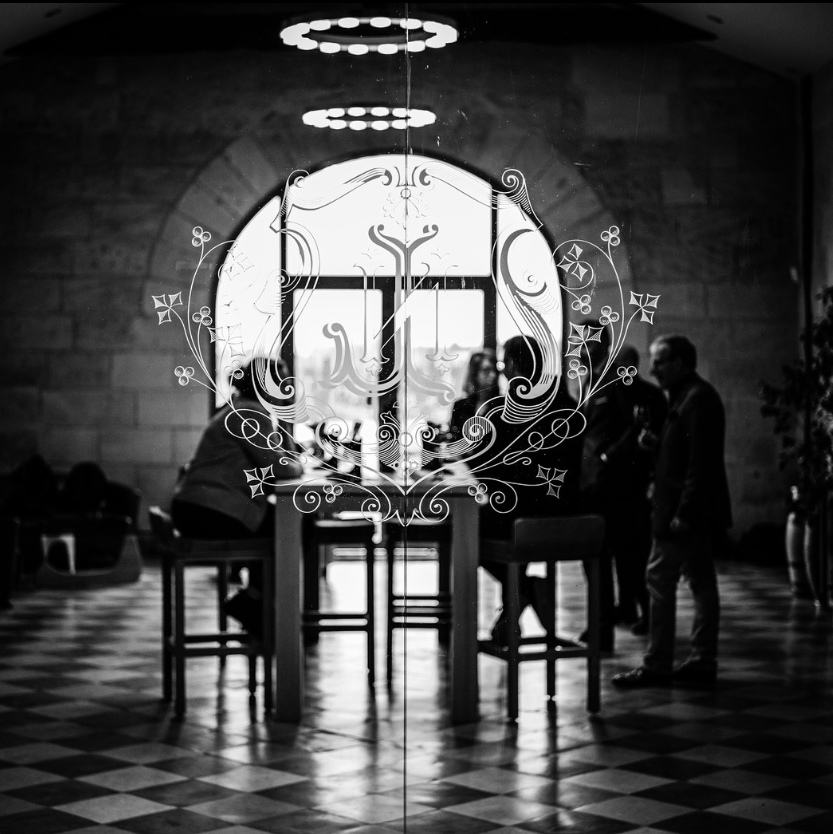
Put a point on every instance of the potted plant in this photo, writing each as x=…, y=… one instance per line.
x=802, y=410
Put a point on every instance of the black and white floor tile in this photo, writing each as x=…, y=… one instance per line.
x=87, y=746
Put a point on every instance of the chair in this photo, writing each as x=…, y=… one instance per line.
x=178, y=554
x=320, y=532
x=91, y=538
x=418, y=610
x=548, y=540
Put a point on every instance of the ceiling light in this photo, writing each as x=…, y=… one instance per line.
x=376, y=117
x=360, y=35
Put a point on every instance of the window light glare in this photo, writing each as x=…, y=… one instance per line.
x=379, y=111
x=388, y=49
x=380, y=22
x=400, y=112
x=336, y=112
x=411, y=23
x=307, y=45
x=320, y=25
x=336, y=124
x=348, y=22
x=358, y=49
x=356, y=111
x=416, y=46
x=357, y=125
x=399, y=124
x=329, y=47
x=378, y=125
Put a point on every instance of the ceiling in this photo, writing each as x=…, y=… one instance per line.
x=789, y=39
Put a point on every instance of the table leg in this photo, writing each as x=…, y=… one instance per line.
x=464, y=561
x=288, y=577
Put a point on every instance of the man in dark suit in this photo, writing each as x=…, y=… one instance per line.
x=691, y=506
x=615, y=476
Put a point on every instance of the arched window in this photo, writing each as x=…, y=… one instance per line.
x=375, y=279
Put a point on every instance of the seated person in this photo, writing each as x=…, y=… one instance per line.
x=213, y=499
x=480, y=387
x=523, y=360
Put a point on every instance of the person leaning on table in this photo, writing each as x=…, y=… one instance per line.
x=213, y=498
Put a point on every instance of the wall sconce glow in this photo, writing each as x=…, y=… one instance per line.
x=376, y=117
x=361, y=35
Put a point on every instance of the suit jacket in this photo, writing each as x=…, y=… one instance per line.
x=614, y=468
x=690, y=474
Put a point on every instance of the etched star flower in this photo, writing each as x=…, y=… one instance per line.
x=258, y=479
x=167, y=305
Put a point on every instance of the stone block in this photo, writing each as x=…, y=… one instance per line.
x=103, y=331
x=683, y=187
x=137, y=445
x=20, y=406
x=47, y=257
x=78, y=370
x=94, y=295
x=734, y=301
x=37, y=294
x=131, y=218
x=154, y=182
x=247, y=158
x=69, y=220
x=188, y=406
x=109, y=256
x=627, y=115
x=48, y=333
x=185, y=444
x=63, y=447
x=78, y=407
x=220, y=178
x=16, y=445
x=144, y=370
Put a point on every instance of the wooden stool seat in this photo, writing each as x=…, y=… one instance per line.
x=178, y=554
x=550, y=541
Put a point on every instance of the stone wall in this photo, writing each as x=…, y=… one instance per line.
x=109, y=163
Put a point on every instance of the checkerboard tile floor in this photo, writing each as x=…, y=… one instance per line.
x=87, y=746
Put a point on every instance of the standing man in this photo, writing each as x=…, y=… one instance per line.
x=690, y=507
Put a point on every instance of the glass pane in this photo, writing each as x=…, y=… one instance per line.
x=446, y=327
x=359, y=217
x=317, y=358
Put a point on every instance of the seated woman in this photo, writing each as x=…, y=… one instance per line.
x=523, y=360
x=480, y=387
x=213, y=499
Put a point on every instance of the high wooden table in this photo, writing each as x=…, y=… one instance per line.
x=463, y=511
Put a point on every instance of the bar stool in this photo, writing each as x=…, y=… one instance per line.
x=321, y=532
x=548, y=540
x=180, y=553
x=418, y=610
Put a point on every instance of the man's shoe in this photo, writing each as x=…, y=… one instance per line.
x=640, y=677
x=694, y=672
x=640, y=627
x=605, y=639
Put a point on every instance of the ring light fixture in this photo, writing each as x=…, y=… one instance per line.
x=375, y=117
x=360, y=35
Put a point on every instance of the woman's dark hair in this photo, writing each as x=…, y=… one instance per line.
x=247, y=384
x=526, y=354
x=476, y=361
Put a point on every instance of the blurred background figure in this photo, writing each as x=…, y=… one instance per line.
x=480, y=386
x=213, y=498
x=615, y=479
